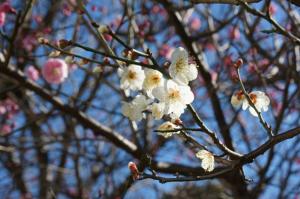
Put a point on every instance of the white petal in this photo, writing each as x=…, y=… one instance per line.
x=159, y=93
x=153, y=79
x=262, y=100
x=126, y=109
x=179, y=53
x=187, y=94
x=140, y=102
x=176, y=109
x=208, y=164
x=192, y=72
x=265, y=108
x=245, y=104
x=235, y=101
x=201, y=154
x=207, y=160
x=120, y=71
x=253, y=112
x=181, y=78
x=134, y=67
x=170, y=84
x=167, y=126
x=158, y=110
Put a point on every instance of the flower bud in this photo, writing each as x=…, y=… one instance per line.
x=103, y=29
x=238, y=63
x=54, y=53
x=106, y=61
x=167, y=64
x=134, y=170
x=63, y=43
x=178, y=122
x=83, y=62
x=98, y=69
x=42, y=40
x=69, y=60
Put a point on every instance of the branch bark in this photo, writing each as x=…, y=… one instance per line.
x=223, y=1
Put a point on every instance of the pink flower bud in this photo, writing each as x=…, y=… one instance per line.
x=38, y=19
x=5, y=7
x=5, y=129
x=2, y=109
x=67, y=11
x=2, y=18
x=32, y=73
x=238, y=63
x=94, y=7
x=134, y=170
x=234, y=33
x=107, y=37
x=272, y=9
x=55, y=71
x=195, y=24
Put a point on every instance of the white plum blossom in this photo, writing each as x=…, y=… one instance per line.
x=237, y=99
x=132, y=78
x=153, y=79
x=180, y=70
x=167, y=126
x=134, y=109
x=208, y=160
x=175, y=96
x=260, y=100
x=157, y=110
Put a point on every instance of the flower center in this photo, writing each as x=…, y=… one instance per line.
x=155, y=79
x=174, y=94
x=132, y=75
x=179, y=66
x=253, y=98
x=56, y=72
x=240, y=95
x=169, y=127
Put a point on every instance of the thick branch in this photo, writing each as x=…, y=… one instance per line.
x=223, y=1
x=98, y=128
x=270, y=143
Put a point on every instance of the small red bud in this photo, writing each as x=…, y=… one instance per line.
x=125, y=52
x=63, y=43
x=167, y=64
x=134, y=170
x=134, y=55
x=80, y=12
x=106, y=60
x=178, y=122
x=238, y=63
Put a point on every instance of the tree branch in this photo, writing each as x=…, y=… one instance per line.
x=223, y=1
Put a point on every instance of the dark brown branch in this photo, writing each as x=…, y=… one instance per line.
x=98, y=128
x=223, y=1
x=269, y=144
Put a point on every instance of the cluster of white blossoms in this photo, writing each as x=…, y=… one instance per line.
x=260, y=100
x=208, y=160
x=157, y=94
